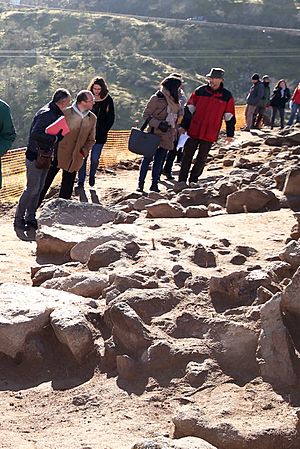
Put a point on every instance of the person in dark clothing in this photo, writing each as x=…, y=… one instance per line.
x=202, y=120
x=262, y=104
x=105, y=112
x=254, y=96
x=39, y=140
x=280, y=96
x=75, y=146
x=162, y=113
x=7, y=131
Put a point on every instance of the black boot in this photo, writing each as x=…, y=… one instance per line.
x=154, y=188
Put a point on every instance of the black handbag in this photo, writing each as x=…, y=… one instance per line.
x=44, y=159
x=141, y=142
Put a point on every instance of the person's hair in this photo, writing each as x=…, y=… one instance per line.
x=60, y=94
x=278, y=84
x=83, y=95
x=101, y=82
x=172, y=84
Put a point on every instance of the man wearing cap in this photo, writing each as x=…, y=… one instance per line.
x=203, y=115
x=253, y=98
x=260, y=111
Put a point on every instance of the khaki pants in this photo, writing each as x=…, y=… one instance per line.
x=249, y=112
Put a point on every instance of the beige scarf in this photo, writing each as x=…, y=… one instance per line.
x=172, y=108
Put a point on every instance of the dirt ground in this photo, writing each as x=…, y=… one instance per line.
x=96, y=412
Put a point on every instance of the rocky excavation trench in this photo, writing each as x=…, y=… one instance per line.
x=168, y=294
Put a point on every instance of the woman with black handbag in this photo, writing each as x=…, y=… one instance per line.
x=161, y=112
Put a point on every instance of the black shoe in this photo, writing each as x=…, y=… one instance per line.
x=19, y=223
x=92, y=181
x=154, y=188
x=169, y=176
x=80, y=185
x=31, y=224
x=140, y=189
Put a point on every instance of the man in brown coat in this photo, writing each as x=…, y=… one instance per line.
x=75, y=146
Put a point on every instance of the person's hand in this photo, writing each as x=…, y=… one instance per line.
x=181, y=131
x=164, y=126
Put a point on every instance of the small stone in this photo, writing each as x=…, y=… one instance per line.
x=238, y=259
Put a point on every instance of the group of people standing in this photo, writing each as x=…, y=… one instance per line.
x=83, y=126
x=201, y=118
x=263, y=107
x=83, y=131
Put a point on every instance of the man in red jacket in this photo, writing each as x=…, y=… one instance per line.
x=203, y=115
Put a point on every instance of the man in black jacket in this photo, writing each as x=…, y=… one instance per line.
x=39, y=140
x=253, y=98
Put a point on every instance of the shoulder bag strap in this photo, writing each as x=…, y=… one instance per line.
x=146, y=122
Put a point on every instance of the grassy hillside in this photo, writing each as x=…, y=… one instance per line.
x=68, y=48
x=255, y=12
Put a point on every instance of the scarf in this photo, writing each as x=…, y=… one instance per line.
x=81, y=113
x=172, y=108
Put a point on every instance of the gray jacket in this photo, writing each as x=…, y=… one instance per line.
x=255, y=94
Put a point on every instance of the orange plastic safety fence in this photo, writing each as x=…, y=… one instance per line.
x=14, y=170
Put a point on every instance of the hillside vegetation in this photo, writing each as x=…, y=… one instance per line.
x=256, y=12
x=44, y=49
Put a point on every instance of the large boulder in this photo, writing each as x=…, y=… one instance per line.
x=165, y=209
x=121, y=283
x=88, y=285
x=150, y=303
x=128, y=330
x=26, y=310
x=239, y=288
x=222, y=417
x=67, y=212
x=56, y=242
x=275, y=353
x=292, y=182
x=291, y=296
x=72, y=329
x=250, y=199
x=125, y=233
x=291, y=254
x=105, y=254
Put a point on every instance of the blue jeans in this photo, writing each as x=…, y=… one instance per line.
x=294, y=110
x=28, y=201
x=95, y=156
x=158, y=160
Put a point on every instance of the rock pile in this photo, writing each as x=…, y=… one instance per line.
x=146, y=303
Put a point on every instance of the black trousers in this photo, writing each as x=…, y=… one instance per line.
x=281, y=114
x=189, y=150
x=67, y=183
x=167, y=168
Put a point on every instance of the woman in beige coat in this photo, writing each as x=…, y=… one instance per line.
x=162, y=109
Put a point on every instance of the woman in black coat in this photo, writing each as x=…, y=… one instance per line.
x=105, y=112
x=281, y=95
